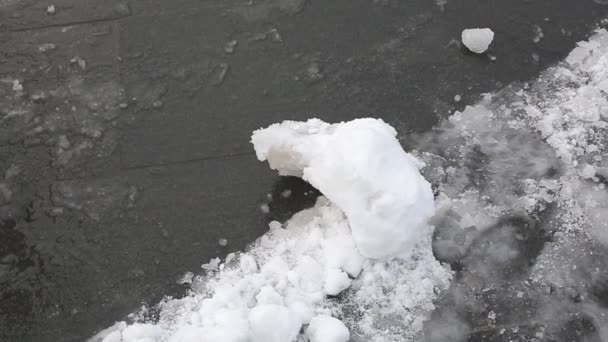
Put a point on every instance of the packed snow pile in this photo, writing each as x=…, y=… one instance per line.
x=361, y=167
x=368, y=241
x=477, y=39
x=278, y=290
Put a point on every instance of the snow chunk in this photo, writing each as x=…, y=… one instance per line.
x=478, y=39
x=17, y=87
x=268, y=295
x=336, y=281
x=588, y=171
x=273, y=323
x=361, y=167
x=212, y=265
x=325, y=328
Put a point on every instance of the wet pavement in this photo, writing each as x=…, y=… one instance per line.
x=124, y=126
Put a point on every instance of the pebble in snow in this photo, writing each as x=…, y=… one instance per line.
x=478, y=39
x=51, y=10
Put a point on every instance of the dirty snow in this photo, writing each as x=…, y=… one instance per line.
x=477, y=39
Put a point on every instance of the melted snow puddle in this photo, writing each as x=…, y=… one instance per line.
x=535, y=151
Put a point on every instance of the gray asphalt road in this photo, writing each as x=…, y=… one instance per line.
x=124, y=126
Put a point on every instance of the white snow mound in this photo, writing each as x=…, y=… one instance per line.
x=361, y=167
x=477, y=39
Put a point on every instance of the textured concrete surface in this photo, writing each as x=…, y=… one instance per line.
x=124, y=126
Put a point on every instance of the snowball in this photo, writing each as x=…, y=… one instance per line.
x=273, y=323
x=361, y=167
x=325, y=328
x=478, y=39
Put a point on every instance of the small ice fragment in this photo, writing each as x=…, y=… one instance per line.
x=478, y=39
x=286, y=193
x=46, y=47
x=314, y=71
x=492, y=315
x=325, y=328
x=212, y=265
x=535, y=57
x=51, y=10
x=457, y=98
x=219, y=73
x=386, y=200
x=588, y=171
x=63, y=142
x=520, y=294
x=441, y=4
x=265, y=208
x=230, y=46
x=222, y=242
x=186, y=278
x=336, y=281
x=538, y=34
x=275, y=36
x=157, y=104
x=81, y=62
x=17, y=86
x=229, y=258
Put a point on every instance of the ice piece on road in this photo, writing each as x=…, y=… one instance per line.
x=477, y=39
x=336, y=281
x=361, y=167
